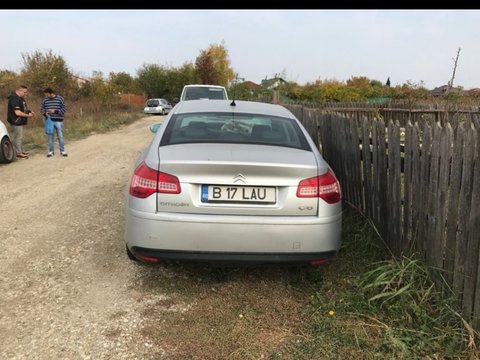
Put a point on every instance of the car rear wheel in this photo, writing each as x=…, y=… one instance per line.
x=7, y=153
x=130, y=255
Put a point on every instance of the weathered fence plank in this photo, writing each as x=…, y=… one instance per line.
x=474, y=229
x=367, y=168
x=459, y=278
x=393, y=186
x=424, y=179
x=407, y=187
x=442, y=195
x=431, y=189
x=416, y=189
x=453, y=200
x=356, y=165
x=472, y=237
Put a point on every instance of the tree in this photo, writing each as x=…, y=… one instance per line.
x=412, y=93
x=177, y=78
x=8, y=82
x=165, y=82
x=358, y=81
x=100, y=90
x=123, y=82
x=213, y=65
x=205, y=69
x=41, y=70
x=455, y=62
x=153, y=80
x=388, y=82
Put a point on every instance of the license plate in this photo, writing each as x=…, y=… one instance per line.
x=239, y=194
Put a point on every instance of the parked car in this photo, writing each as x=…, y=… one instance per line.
x=203, y=92
x=7, y=152
x=157, y=106
x=225, y=182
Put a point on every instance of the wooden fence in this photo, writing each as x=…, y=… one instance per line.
x=133, y=99
x=418, y=182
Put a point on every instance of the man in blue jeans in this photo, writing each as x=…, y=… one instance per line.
x=53, y=105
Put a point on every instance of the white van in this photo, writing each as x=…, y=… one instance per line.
x=198, y=92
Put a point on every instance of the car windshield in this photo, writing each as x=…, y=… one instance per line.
x=197, y=93
x=234, y=128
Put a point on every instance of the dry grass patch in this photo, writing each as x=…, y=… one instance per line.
x=232, y=313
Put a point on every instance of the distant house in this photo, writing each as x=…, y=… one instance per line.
x=442, y=90
x=273, y=83
x=251, y=85
x=80, y=81
x=472, y=92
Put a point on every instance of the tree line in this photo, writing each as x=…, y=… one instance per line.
x=47, y=69
x=211, y=66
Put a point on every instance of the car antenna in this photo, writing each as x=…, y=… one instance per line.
x=234, y=90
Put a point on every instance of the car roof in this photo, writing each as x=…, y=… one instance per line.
x=194, y=106
x=203, y=85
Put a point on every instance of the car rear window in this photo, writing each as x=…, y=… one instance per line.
x=234, y=128
x=197, y=93
x=152, y=102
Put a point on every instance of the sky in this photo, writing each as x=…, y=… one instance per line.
x=416, y=46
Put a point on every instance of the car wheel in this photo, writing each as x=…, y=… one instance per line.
x=7, y=153
x=130, y=255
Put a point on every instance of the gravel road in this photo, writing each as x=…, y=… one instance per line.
x=67, y=290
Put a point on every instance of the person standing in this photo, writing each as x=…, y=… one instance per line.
x=18, y=115
x=53, y=105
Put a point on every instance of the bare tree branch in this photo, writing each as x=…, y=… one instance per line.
x=455, y=60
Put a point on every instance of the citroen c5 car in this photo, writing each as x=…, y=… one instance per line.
x=238, y=182
x=7, y=152
x=157, y=107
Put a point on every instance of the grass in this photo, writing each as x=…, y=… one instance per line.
x=82, y=119
x=361, y=305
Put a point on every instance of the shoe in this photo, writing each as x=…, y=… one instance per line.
x=63, y=153
x=50, y=154
x=22, y=156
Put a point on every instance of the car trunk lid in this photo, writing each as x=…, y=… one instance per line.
x=238, y=179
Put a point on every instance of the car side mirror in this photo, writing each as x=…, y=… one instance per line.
x=154, y=127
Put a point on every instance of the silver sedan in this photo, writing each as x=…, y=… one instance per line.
x=233, y=182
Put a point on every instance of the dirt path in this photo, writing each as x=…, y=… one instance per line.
x=68, y=291
x=64, y=275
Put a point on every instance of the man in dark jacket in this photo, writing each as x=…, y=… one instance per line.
x=18, y=115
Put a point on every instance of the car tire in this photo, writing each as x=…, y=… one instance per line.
x=7, y=153
x=130, y=255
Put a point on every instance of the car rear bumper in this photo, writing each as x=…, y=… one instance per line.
x=153, y=111
x=231, y=258
x=239, y=238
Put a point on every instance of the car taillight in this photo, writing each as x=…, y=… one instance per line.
x=146, y=181
x=325, y=186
